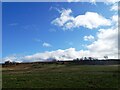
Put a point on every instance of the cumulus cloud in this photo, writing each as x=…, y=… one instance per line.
x=115, y=19
x=114, y=7
x=89, y=38
x=58, y=54
x=46, y=44
x=63, y=55
x=12, y=58
x=93, y=1
x=64, y=17
x=106, y=44
x=88, y=20
x=111, y=1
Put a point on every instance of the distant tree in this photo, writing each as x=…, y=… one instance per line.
x=106, y=57
x=77, y=59
x=8, y=62
x=81, y=59
x=90, y=58
x=54, y=60
x=14, y=63
x=95, y=58
x=85, y=58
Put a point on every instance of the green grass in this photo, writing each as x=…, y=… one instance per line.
x=61, y=76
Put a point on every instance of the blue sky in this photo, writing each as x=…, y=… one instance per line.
x=29, y=28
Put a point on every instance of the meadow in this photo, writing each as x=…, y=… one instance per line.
x=60, y=76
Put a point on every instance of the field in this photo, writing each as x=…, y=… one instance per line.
x=60, y=76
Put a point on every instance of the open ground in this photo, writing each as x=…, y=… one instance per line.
x=34, y=75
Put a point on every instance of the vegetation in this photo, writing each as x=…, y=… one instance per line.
x=60, y=76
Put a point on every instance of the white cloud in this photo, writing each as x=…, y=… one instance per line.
x=12, y=58
x=58, y=54
x=89, y=20
x=111, y=1
x=73, y=0
x=67, y=54
x=64, y=17
x=114, y=7
x=51, y=8
x=106, y=44
x=94, y=1
x=88, y=38
x=91, y=1
x=115, y=19
x=46, y=44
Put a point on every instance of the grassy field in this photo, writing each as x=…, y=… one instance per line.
x=60, y=76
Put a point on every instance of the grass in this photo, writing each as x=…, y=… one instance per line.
x=60, y=76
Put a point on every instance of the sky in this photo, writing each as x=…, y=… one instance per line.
x=37, y=31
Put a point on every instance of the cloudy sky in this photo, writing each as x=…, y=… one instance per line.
x=61, y=30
